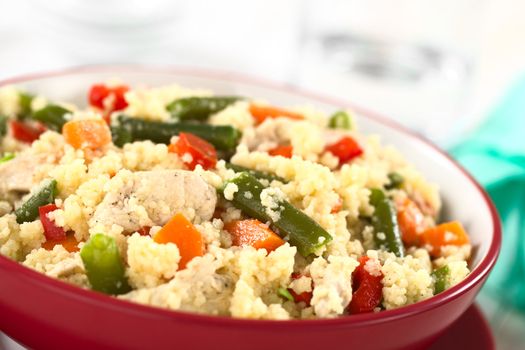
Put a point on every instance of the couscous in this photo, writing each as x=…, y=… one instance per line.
x=222, y=205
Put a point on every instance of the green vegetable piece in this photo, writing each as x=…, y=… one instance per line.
x=386, y=230
x=52, y=116
x=396, y=181
x=340, y=120
x=199, y=108
x=223, y=137
x=441, y=277
x=302, y=232
x=24, y=100
x=256, y=173
x=120, y=136
x=3, y=126
x=44, y=195
x=7, y=157
x=285, y=293
x=104, y=266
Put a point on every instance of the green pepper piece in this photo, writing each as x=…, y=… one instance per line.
x=396, y=181
x=302, y=232
x=52, y=116
x=3, y=126
x=340, y=120
x=386, y=230
x=44, y=195
x=7, y=157
x=258, y=174
x=199, y=108
x=24, y=100
x=223, y=137
x=441, y=277
x=104, y=266
x=285, y=293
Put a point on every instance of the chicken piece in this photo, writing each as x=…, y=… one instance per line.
x=149, y=198
x=16, y=175
x=268, y=135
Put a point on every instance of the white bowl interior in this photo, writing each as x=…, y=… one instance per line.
x=461, y=199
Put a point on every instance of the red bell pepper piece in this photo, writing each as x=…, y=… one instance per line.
x=283, y=151
x=51, y=230
x=345, y=149
x=201, y=151
x=25, y=132
x=305, y=297
x=99, y=92
x=367, y=289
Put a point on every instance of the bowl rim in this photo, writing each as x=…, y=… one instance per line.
x=100, y=300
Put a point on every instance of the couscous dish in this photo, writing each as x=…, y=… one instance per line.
x=223, y=205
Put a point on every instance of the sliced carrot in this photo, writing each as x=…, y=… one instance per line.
x=410, y=219
x=261, y=113
x=187, y=238
x=253, y=233
x=283, y=151
x=87, y=133
x=449, y=233
x=69, y=243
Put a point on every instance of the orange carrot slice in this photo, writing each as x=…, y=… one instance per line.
x=283, y=151
x=87, y=133
x=253, y=233
x=410, y=219
x=69, y=243
x=449, y=233
x=187, y=238
x=261, y=113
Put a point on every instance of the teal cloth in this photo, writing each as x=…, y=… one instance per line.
x=495, y=155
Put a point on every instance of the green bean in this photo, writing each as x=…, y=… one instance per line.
x=285, y=293
x=293, y=225
x=386, y=230
x=7, y=157
x=120, y=136
x=223, y=137
x=199, y=108
x=28, y=211
x=3, y=126
x=256, y=173
x=340, y=120
x=52, y=116
x=441, y=277
x=104, y=266
x=396, y=181
x=24, y=100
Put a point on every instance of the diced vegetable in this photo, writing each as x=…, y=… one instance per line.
x=104, y=266
x=181, y=232
x=51, y=230
x=449, y=233
x=199, y=108
x=396, y=181
x=7, y=157
x=283, y=292
x=87, y=133
x=411, y=222
x=25, y=132
x=384, y=220
x=367, y=289
x=3, y=126
x=337, y=207
x=200, y=151
x=303, y=232
x=28, y=211
x=441, y=277
x=285, y=151
x=24, y=100
x=305, y=297
x=345, y=149
x=340, y=120
x=258, y=174
x=144, y=231
x=69, y=243
x=223, y=137
x=253, y=233
x=52, y=116
x=261, y=113
x=100, y=92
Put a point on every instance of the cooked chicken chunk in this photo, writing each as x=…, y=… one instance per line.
x=149, y=198
x=16, y=176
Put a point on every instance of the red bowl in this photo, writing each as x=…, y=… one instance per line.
x=40, y=312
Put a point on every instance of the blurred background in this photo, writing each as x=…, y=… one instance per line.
x=451, y=70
